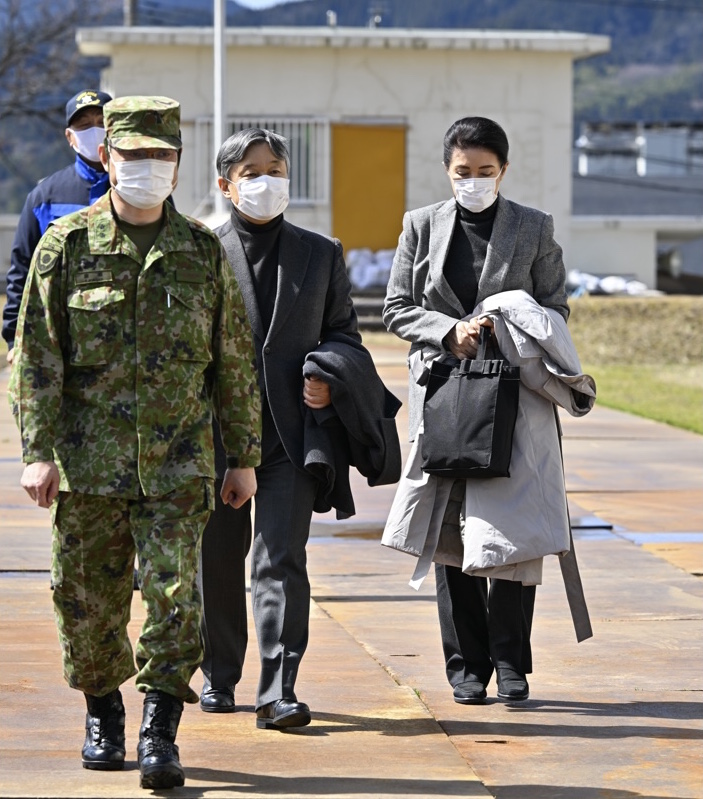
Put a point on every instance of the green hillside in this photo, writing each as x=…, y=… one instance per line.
x=653, y=73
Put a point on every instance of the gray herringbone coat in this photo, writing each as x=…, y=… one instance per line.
x=420, y=305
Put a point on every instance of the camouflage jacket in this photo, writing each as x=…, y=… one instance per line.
x=120, y=360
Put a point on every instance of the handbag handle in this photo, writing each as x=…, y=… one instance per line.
x=485, y=338
x=481, y=364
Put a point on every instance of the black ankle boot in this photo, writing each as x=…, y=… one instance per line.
x=157, y=752
x=103, y=749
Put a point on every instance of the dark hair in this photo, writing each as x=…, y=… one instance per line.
x=235, y=148
x=476, y=132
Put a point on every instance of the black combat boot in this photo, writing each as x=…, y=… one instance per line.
x=157, y=752
x=104, y=733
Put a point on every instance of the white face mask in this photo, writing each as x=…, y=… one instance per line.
x=477, y=194
x=263, y=197
x=87, y=142
x=145, y=183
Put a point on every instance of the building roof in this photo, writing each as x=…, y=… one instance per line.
x=100, y=40
x=618, y=195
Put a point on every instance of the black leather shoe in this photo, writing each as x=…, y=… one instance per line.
x=471, y=692
x=217, y=700
x=512, y=686
x=282, y=713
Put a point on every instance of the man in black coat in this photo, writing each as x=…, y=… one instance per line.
x=297, y=294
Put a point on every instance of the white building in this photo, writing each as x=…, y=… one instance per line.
x=639, y=192
x=365, y=110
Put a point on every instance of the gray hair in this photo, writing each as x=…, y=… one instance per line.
x=235, y=148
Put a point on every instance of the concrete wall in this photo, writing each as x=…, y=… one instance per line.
x=609, y=245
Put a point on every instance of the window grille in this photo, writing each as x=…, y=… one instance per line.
x=308, y=142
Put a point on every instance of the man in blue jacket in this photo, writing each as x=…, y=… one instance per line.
x=65, y=191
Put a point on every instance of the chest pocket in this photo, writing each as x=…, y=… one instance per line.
x=95, y=325
x=189, y=313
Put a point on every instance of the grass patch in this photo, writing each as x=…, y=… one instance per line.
x=646, y=355
x=672, y=394
x=638, y=330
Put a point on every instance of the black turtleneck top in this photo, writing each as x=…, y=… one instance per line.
x=467, y=253
x=260, y=244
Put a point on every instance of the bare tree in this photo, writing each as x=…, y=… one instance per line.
x=40, y=68
x=39, y=60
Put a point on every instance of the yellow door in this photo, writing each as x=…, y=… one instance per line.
x=368, y=185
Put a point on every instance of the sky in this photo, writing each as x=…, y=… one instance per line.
x=262, y=3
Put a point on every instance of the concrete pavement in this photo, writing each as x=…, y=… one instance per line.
x=614, y=717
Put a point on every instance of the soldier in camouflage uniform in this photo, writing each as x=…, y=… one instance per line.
x=131, y=330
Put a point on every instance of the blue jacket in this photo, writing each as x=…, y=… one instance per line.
x=67, y=190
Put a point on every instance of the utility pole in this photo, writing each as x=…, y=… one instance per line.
x=220, y=83
x=129, y=12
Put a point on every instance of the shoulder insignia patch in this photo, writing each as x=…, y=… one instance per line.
x=46, y=259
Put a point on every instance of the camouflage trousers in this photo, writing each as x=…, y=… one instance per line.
x=95, y=540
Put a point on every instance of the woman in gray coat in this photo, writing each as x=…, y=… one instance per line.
x=451, y=256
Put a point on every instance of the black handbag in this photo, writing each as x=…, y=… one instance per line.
x=469, y=415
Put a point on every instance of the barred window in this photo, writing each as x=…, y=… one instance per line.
x=308, y=141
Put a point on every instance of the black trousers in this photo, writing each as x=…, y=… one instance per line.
x=483, y=627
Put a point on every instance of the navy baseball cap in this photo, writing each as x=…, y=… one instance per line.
x=83, y=100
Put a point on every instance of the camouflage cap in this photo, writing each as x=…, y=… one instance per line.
x=132, y=123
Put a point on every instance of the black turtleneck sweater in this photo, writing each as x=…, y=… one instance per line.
x=260, y=244
x=467, y=253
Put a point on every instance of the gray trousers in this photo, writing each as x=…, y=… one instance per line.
x=280, y=588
